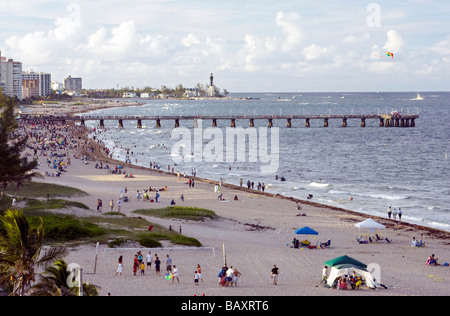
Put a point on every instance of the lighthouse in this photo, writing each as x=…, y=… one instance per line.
x=212, y=90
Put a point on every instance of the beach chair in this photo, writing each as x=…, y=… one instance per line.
x=360, y=240
x=326, y=244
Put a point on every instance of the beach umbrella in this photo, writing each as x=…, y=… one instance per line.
x=306, y=231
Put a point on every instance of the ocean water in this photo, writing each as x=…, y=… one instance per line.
x=378, y=167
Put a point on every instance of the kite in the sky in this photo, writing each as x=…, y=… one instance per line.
x=390, y=54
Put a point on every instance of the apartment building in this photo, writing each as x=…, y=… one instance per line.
x=44, y=82
x=11, y=77
x=73, y=84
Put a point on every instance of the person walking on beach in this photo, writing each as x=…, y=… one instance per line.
x=135, y=264
x=229, y=276
x=389, y=212
x=168, y=264
x=157, y=265
x=199, y=273
x=236, y=276
x=120, y=266
x=399, y=214
x=274, y=274
x=111, y=205
x=119, y=205
x=149, y=258
x=196, y=277
x=175, y=274
x=324, y=274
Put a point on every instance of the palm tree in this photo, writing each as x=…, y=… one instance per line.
x=54, y=282
x=20, y=252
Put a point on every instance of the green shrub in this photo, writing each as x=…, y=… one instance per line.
x=67, y=228
x=186, y=241
x=189, y=213
x=147, y=240
x=52, y=204
x=117, y=242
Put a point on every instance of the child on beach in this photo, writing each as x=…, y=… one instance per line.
x=142, y=268
x=196, y=277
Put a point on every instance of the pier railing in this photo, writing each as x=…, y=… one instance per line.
x=386, y=120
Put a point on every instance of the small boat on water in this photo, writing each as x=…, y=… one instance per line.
x=418, y=98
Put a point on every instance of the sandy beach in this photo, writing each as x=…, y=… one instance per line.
x=257, y=233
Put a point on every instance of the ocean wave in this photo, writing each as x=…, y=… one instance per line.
x=387, y=197
x=319, y=184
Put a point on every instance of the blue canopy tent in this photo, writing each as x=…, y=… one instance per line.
x=306, y=231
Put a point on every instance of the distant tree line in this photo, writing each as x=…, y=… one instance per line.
x=177, y=92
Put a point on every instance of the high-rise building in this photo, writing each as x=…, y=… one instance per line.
x=30, y=88
x=11, y=74
x=73, y=84
x=2, y=73
x=44, y=82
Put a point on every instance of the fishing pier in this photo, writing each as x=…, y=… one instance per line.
x=384, y=120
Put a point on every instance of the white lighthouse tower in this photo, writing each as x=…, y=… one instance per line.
x=212, y=90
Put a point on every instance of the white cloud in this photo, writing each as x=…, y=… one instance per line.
x=394, y=42
x=442, y=48
x=289, y=24
x=190, y=40
x=354, y=39
x=314, y=51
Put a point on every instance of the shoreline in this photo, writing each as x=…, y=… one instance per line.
x=385, y=221
x=389, y=223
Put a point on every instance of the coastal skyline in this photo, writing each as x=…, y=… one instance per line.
x=267, y=46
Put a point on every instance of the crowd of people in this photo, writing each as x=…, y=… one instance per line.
x=141, y=265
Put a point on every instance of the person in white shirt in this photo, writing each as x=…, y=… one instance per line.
x=229, y=276
x=149, y=258
x=175, y=274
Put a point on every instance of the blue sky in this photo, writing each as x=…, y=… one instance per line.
x=250, y=46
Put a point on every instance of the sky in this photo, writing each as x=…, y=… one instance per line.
x=249, y=46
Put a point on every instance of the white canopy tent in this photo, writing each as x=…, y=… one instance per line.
x=369, y=224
